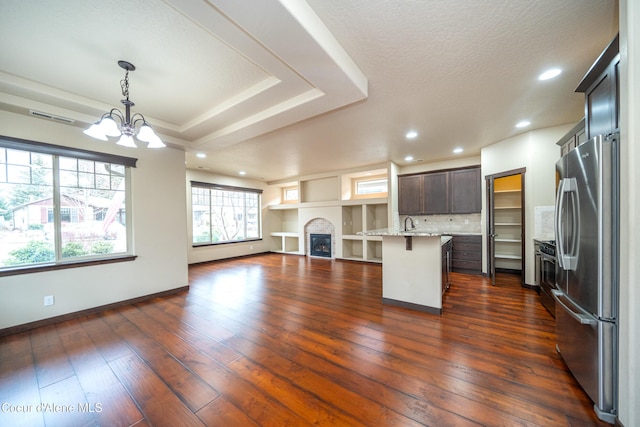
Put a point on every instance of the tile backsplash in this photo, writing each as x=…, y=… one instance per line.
x=462, y=223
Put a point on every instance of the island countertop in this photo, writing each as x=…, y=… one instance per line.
x=444, y=237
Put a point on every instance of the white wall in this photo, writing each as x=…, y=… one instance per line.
x=629, y=332
x=159, y=223
x=538, y=153
x=270, y=195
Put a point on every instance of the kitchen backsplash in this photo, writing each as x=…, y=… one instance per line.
x=467, y=223
x=544, y=220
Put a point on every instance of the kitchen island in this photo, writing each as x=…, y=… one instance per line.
x=413, y=267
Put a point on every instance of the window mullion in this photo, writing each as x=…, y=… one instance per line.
x=57, y=206
x=210, y=215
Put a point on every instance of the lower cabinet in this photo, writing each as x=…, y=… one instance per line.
x=467, y=254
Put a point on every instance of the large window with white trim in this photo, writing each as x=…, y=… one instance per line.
x=224, y=214
x=61, y=205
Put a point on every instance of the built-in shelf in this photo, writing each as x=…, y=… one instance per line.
x=507, y=256
x=357, y=217
x=508, y=224
x=284, y=225
x=352, y=249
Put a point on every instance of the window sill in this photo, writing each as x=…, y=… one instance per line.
x=200, y=245
x=63, y=266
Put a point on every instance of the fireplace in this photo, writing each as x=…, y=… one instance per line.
x=320, y=245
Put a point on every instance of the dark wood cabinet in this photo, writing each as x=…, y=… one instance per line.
x=435, y=193
x=464, y=191
x=410, y=194
x=466, y=254
x=454, y=191
x=601, y=86
x=573, y=138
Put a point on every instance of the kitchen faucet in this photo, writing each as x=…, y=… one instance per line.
x=411, y=221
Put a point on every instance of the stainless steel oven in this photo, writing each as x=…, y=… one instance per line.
x=546, y=274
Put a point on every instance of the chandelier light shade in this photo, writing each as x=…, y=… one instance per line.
x=124, y=125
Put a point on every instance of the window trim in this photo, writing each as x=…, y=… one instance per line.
x=290, y=188
x=57, y=150
x=211, y=186
x=354, y=188
x=61, y=151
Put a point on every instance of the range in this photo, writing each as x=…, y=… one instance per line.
x=546, y=268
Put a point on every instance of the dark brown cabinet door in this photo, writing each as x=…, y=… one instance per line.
x=410, y=195
x=444, y=192
x=601, y=87
x=435, y=194
x=464, y=194
x=602, y=115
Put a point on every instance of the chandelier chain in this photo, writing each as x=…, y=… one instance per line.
x=124, y=84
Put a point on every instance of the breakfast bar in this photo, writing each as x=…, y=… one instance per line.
x=413, y=267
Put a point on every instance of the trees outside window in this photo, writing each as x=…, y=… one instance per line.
x=59, y=205
x=223, y=214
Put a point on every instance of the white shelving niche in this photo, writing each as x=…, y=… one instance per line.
x=359, y=216
x=508, y=225
x=284, y=224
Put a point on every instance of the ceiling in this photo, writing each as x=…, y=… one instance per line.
x=284, y=88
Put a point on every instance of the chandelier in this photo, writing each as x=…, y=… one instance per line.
x=127, y=128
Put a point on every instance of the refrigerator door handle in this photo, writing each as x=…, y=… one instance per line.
x=583, y=319
x=566, y=261
x=558, y=223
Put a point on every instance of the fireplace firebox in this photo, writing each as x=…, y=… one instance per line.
x=320, y=245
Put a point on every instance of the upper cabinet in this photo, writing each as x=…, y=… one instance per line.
x=435, y=193
x=410, y=194
x=443, y=192
x=573, y=138
x=601, y=86
x=464, y=192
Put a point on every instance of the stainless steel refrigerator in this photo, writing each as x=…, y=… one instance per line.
x=587, y=234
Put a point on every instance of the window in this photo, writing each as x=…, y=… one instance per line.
x=61, y=205
x=290, y=194
x=369, y=186
x=222, y=214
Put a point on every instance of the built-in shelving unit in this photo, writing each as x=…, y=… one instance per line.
x=284, y=225
x=508, y=224
x=359, y=216
x=334, y=198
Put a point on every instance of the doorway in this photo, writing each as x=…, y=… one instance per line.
x=506, y=223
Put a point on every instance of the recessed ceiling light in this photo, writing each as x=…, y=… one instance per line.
x=523, y=124
x=201, y=155
x=242, y=173
x=549, y=74
x=408, y=158
x=458, y=150
x=411, y=134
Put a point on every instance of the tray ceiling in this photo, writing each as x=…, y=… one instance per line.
x=285, y=88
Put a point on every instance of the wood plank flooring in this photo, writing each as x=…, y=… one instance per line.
x=276, y=340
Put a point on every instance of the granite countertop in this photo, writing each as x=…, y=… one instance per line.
x=398, y=232
x=444, y=238
x=464, y=233
x=417, y=232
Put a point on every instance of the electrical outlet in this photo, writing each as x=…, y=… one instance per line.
x=48, y=300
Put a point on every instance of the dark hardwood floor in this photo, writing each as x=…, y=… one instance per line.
x=276, y=340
